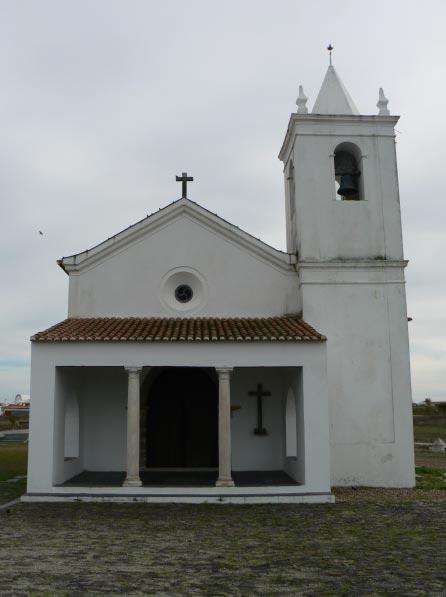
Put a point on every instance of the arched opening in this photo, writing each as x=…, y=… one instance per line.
x=291, y=424
x=348, y=180
x=71, y=447
x=182, y=419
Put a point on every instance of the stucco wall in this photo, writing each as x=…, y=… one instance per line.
x=295, y=466
x=66, y=390
x=250, y=451
x=104, y=417
x=363, y=312
x=350, y=262
x=231, y=280
x=331, y=229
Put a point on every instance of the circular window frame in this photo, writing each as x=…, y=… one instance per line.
x=183, y=276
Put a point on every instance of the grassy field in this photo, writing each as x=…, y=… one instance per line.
x=13, y=459
x=5, y=424
x=427, y=429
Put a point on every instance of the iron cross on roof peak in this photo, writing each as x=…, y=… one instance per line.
x=184, y=178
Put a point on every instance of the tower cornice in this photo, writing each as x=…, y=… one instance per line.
x=336, y=124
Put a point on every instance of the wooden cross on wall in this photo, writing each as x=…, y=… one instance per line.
x=259, y=393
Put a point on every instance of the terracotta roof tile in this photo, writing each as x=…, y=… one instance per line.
x=288, y=328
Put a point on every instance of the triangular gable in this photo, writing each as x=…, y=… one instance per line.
x=158, y=219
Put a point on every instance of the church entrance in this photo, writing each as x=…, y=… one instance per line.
x=182, y=419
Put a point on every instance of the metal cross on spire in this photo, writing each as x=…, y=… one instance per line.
x=184, y=178
x=330, y=49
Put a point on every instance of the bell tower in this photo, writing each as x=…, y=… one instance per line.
x=341, y=179
x=344, y=224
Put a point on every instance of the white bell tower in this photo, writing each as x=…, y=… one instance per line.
x=344, y=224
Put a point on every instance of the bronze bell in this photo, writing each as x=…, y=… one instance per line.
x=348, y=185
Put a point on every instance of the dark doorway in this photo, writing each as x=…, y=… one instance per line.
x=182, y=419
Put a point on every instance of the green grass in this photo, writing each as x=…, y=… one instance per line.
x=428, y=430
x=5, y=424
x=430, y=478
x=13, y=460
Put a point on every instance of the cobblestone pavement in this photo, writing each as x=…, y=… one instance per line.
x=352, y=548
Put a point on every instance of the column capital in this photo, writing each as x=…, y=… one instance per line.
x=224, y=370
x=133, y=369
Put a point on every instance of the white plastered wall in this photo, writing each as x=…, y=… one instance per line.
x=362, y=311
x=134, y=281
x=250, y=451
x=104, y=432
x=295, y=465
x=66, y=391
x=328, y=229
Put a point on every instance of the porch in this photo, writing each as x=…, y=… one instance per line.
x=187, y=426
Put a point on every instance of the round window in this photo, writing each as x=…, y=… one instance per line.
x=183, y=290
x=183, y=293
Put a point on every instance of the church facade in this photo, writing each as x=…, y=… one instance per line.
x=198, y=363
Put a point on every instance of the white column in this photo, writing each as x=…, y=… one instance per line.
x=132, y=479
x=224, y=428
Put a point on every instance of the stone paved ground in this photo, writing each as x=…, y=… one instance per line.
x=359, y=546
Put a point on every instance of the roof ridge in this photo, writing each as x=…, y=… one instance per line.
x=187, y=203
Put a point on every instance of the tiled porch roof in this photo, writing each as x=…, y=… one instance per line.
x=288, y=328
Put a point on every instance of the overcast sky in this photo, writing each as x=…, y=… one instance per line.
x=102, y=102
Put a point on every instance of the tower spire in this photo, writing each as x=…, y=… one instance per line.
x=333, y=97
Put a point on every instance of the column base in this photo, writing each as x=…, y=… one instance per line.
x=132, y=482
x=228, y=482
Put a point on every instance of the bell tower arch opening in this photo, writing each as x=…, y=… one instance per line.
x=347, y=173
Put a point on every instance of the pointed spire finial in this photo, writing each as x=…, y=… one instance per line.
x=302, y=101
x=382, y=104
x=333, y=97
x=330, y=48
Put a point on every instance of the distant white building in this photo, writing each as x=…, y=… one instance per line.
x=192, y=347
x=22, y=399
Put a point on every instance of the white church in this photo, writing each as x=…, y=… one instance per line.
x=199, y=364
